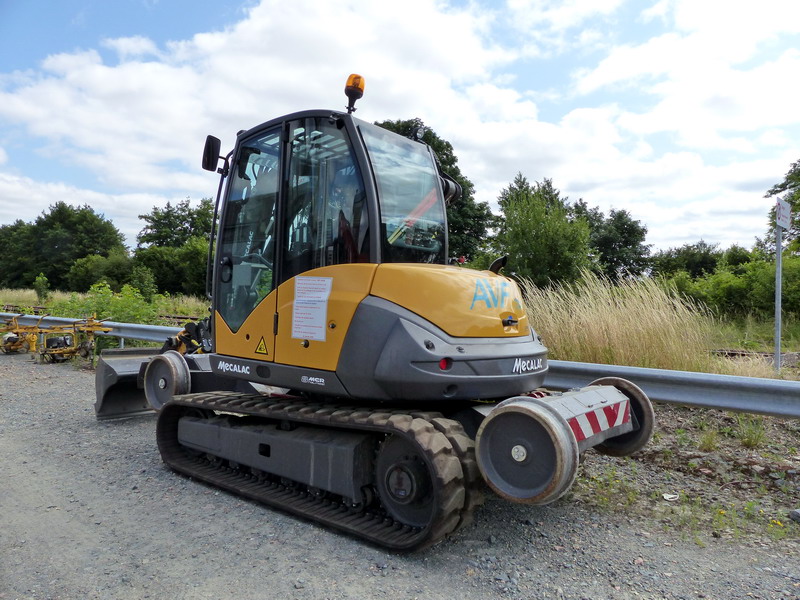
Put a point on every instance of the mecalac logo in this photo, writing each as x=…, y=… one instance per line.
x=525, y=365
x=227, y=367
x=312, y=380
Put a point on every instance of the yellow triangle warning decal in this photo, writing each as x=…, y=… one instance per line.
x=262, y=347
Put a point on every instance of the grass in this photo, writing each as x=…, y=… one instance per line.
x=758, y=335
x=635, y=322
x=177, y=305
x=27, y=297
x=750, y=430
x=610, y=489
x=706, y=474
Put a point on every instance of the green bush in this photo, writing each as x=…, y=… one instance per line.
x=42, y=287
x=126, y=306
x=745, y=289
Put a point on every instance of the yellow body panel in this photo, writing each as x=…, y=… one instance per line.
x=255, y=338
x=462, y=302
x=349, y=285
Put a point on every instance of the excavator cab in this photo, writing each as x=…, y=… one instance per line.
x=297, y=200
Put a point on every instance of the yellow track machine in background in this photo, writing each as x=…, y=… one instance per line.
x=62, y=342
x=19, y=338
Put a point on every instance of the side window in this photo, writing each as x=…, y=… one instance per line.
x=326, y=216
x=247, y=235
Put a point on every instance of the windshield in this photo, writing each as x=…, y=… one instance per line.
x=411, y=206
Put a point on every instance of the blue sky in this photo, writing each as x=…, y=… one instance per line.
x=681, y=112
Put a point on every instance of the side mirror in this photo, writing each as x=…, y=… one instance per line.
x=211, y=153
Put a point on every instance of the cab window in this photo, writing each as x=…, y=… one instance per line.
x=326, y=213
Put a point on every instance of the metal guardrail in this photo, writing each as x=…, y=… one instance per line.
x=130, y=331
x=773, y=397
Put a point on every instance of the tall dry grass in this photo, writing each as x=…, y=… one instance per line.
x=177, y=305
x=27, y=297
x=633, y=322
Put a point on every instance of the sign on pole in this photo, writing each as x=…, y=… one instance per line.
x=783, y=220
x=783, y=214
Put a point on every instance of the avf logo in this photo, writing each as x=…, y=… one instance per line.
x=493, y=293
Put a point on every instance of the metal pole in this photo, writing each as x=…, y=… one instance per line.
x=778, y=293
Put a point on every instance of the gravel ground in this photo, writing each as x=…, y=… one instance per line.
x=89, y=511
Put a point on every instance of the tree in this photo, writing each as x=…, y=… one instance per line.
x=114, y=269
x=42, y=288
x=542, y=242
x=734, y=259
x=617, y=242
x=173, y=247
x=17, y=268
x=142, y=279
x=85, y=272
x=696, y=259
x=53, y=242
x=173, y=225
x=164, y=264
x=467, y=220
x=788, y=190
x=193, y=257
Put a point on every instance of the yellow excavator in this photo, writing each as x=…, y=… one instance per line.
x=347, y=373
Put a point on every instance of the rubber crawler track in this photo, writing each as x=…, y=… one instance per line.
x=442, y=443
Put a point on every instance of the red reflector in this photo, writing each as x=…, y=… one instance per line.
x=445, y=364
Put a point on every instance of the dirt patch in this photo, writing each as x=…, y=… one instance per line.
x=707, y=474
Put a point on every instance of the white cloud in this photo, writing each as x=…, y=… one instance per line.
x=138, y=125
x=129, y=47
x=26, y=199
x=557, y=16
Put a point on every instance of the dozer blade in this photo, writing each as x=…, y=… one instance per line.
x=118, y=385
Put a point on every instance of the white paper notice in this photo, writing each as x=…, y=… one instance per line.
x=310, y=311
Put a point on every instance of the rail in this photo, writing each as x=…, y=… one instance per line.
x=775, y=397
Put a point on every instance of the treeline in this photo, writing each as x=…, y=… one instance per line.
x=71, y=248
x=735, y=282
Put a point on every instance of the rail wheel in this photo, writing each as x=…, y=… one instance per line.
x=641, y=407
x=167, y=375
x=404, y=482
x=527, y=452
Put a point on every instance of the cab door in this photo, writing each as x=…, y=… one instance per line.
x=324, y=231
x=244, y=294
